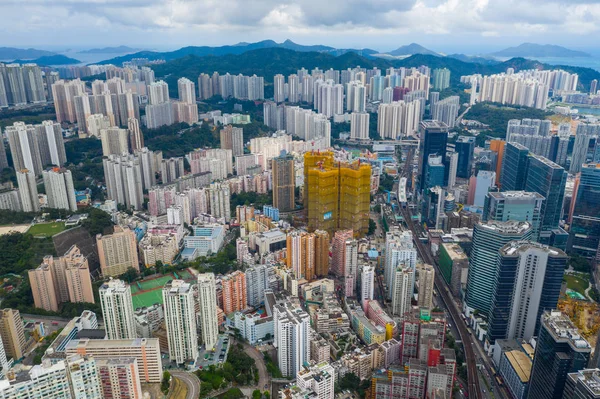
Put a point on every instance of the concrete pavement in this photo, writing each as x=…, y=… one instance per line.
x=189, y=379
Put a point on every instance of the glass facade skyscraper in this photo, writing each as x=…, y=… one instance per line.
x=520, y=206
x=434, y=135
x=464, y=146
x=584, y=236
x=514, y=167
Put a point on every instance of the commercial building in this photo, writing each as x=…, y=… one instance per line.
x=284, y=183
x=434, y=135
x=520, y=206
x=60, y=191
x=528, y=281
x=454, y=265
x=584, y=233
x=117, y=310
x=583, y=384
x=207, y=314
x=514, y=167
x=337, y=193
x=145, y=350
x=560, y=349
x=180, y=319
x=117, y=252
x=464, y=146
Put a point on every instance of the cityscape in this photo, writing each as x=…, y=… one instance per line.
x=289, y=221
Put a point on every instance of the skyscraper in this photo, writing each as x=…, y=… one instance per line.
x=125, y=179
x=24, y=147
x=136, y=138
x=187, y=91
x=398, y=119
x=359, y=125
x=50, y=143
x=434, y=172
x=514, y=167
x=28, y=191
x=234, y=292
x=321, y=253
x=232, y=138
x=117, y=252
x=584, y=235
x=434, y=135
x=520, y=206
x=488, y=238
x=257, y=281
x=464, y=146
x=367, y=284
x=115, y=141
x=399, y=250
x=180, y=319
x=441, y=78
x=527, y=283
x=338, y=251
x=426, y=280
x=485, y=182
x=560, y=349
x=292, y=337
x=60, y=191
x=402, y=290
x=279, y=88
x=207, y=314
x=63, y=93
x=549, y=180
x=284, y=184
x=117, y=310
x=12, y=333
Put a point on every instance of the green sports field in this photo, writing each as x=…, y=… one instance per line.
x=151, y=290
x=46, y=229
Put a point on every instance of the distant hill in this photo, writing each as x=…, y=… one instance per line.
x=475, y=59
x=411, y=49
x=12, y=53
x=110, y=50
x=239, y=48
x=50, y=60
x=268, y=62
x=539, y=50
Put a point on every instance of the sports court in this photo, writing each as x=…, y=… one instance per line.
x=148, y=292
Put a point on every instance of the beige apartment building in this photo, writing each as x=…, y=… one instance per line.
x=117, y=252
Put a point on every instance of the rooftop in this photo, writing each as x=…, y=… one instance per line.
x=562, y=329
x=521, y=363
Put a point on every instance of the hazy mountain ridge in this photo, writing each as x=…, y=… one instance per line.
x=13, y=53
x=539, y=50
x=110, y=50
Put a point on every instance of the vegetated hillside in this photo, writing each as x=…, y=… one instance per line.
x=110, y=50
x=271, y=61
x=239, y=48
x=48, y=60
x=539, y=50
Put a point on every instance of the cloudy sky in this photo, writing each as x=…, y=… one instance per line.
x=470, y=26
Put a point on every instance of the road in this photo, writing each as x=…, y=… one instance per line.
x=263, y=376
x=189, y=379
x=459, y=119
x=444, y=293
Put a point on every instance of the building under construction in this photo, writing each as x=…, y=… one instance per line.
x=337, y=194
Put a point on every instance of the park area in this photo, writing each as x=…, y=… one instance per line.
x=46, y=229
x=147, y=292
x=577, y=282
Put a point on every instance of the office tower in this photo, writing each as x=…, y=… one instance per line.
x=292, y=337
x=582, y=384
x=124, y=180
x=452, y=169
x=464, y=146
x=426, y=279
x=559, y=350
x=257, y=281
x=115, y=141
x=337, y=194
x=60, y=191
x=136, y=138
x=119, y=378
x=146, y=351
x=514, y=167
x=278, y=88
x=359, y=126
x=527, y=283
x=12, y=333
x=338, y=251
x=446, y=110
x=234, y=292
x=63, y=93
x=434, y=172
x=399, y=250
x=232, y=138
x=28, y=191
x=321, y=253
x=488, y=238
x=485, y=182
x=367, y=284
x=180, y=319
x=398, y=119
x=24, y=147
x=441, y=78
x=520, y=206
x=435, y=137
x=187, y=91
x=117, y=309
x=402, y=290
x=117, y=252
x=207, y=313
x=497, y=147
x=284, y=184
x=549, y=180
x=584, y=234
x=356, y=97
x=319, y=378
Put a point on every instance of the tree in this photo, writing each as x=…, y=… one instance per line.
x=349, y=381
x=256, y=394
x=130, y=275
x=372, y=227
x=579, y=263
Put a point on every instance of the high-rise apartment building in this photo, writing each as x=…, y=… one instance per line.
x=337, y=193
x=560, y=349
x=136, y=138
x=292, y=338
x=119, y=378
x=488, y=238
x=356, y=96
x=402, y=290
x=234, y=292
x=426, y=280
x=117, y=252
x=398, y=119
x=207, y=314
x=64, y=93
x=321, y=253
x=187, y=91
x=117, y=310
x=338, y=251
x=24, y=147
x=367, y=284
x=319, y=379
x=441, y=78
x=180, y=319
x=12, y=333
x=115, y=141
x=584, y=233
x=28, y=191
x=284, y=183
x=359, y=125
x=279, y=88
x=232, y=138
x=528, y=280
x=124, y=176
x=300, y=258
x=60, y=191
x=446, y=110
x=399, y=251
x=257, y=281
x=50, y=143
